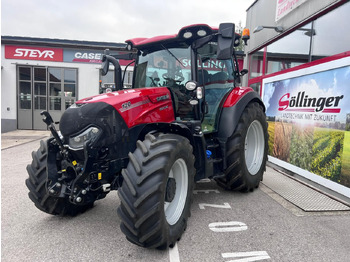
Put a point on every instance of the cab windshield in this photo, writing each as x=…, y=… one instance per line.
x=167, y=67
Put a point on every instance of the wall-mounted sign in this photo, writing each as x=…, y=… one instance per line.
x=82, y=56
x=285, y=6
x=86, y=56
x=33, y=53
x=309, y=120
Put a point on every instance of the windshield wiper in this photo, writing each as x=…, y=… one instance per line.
x=172, y=55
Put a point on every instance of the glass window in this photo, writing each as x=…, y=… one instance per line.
x=217, y=77
x=24, y=88
x=256, y=63
x=331, y=34
x=55, y=103
x=55, y=89
x=70, y=75
x=169, y=67
x=24, y=73
x=39, y=74
x=40, y=89
x=55, y=74
x=289, y=51
x=40, y=103
x=69, y=90
x=25, y=95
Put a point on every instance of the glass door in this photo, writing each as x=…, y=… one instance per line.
x=62, y=90
x=40, y=97
x=25, y=114
x=41, y=88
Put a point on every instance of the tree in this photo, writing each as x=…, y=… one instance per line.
x=239, y=30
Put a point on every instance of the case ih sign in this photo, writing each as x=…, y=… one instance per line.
x=33, y=53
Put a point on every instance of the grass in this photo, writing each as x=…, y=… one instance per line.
x=345, y=171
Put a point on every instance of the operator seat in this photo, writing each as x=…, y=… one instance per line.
x=220, y=77
x=203, y=77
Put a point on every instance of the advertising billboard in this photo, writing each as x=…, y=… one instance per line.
x=284, y=7
x=308, y=112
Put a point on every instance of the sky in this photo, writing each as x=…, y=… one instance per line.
x=114, y=20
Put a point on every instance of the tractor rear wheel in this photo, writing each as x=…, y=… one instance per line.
x=247, y=151
x=156, y=193
x=36, y=183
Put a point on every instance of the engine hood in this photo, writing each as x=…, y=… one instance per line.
x=138, y=106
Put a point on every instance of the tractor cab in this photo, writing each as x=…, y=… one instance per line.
x=197, y=65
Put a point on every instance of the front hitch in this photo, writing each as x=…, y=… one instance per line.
x=47, y=119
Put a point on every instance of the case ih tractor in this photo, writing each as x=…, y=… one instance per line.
x=185, y=119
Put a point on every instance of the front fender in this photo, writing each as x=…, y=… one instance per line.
x=233, y=108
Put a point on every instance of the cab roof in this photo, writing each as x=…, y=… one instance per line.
x=186, y=34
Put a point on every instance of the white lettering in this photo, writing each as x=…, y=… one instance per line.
x=246, y=256
x=232, y=226
x=225, y=205
x=90, y=56
x=23, y=52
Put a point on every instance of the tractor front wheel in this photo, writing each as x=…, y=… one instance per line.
x=36, y=183
x=247, y=151
x=157, y=191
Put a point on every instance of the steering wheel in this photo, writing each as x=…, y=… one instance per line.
x=178, y=77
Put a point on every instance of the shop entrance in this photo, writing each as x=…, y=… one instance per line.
x=43, y=88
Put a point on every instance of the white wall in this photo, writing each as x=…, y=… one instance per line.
x=88, y=81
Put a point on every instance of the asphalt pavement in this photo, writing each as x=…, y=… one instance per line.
x=224, y=226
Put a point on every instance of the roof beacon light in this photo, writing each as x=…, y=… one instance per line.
x=245, y=35
x=187, y=35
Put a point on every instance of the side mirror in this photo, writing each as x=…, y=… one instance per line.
x=105, y=65
x=226, y=37
x=105, y=62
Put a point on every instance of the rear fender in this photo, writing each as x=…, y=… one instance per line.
x=233, y=108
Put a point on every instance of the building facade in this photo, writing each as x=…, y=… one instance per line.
x=299, y=61
x=49, y=74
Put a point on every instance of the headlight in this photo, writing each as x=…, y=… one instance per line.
x=77, y=142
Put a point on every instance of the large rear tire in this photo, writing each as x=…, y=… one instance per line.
x=157, y=191
x=247, y=151
x=36, y=184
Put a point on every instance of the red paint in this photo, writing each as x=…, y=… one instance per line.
x=283, y=104
x=306, y=110
x=236, y=94
x=137, y=42
x=259, y=79
x=145, y=41
x=33, y=53
x=139, y=106
x=331, y=110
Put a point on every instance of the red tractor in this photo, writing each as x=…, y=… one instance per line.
x=186, y=118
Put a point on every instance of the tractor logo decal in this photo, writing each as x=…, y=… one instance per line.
x=161, y=98
x=128, y=105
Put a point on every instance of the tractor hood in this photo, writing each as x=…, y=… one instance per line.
x=138, y=106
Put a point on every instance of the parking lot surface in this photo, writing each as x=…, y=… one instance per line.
x=224, y=225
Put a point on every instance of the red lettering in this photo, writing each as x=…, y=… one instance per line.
x=283, y=103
